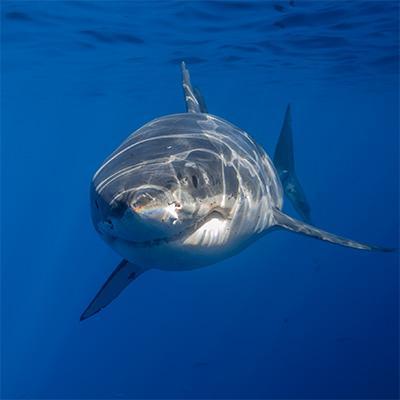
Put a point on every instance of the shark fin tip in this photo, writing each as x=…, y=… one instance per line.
x=387, y=249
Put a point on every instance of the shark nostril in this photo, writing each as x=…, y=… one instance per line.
x=109, y=223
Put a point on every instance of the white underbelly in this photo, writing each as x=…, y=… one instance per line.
x=201, y=248
x=170, y=256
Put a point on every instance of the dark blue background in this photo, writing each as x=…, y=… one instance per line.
x=289, y=317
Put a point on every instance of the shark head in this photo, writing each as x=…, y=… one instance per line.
x=149, y=207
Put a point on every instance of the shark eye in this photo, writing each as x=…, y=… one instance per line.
x=195, y=181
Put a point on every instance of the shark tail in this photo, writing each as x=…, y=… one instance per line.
x=284, y=163
x=284, y=221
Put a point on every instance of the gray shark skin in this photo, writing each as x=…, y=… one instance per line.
x=188, y=190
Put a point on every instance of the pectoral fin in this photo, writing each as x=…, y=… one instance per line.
x=122, y=276
x=284, y=163
x=193, y=98
x=284, y=221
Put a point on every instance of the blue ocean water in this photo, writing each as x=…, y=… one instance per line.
x=289, y=317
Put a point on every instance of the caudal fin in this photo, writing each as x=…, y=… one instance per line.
x=194, y=100
x=284, y=163
x=286, y=222
x=122, y=276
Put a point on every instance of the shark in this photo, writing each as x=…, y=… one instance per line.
x=188, y=190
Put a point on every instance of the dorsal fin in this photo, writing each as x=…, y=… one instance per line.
x=193, y=98
x=284, y=163
x=200, y=99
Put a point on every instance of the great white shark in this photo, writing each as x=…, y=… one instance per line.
x=188, y=190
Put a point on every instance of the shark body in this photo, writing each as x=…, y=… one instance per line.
x=188, y=190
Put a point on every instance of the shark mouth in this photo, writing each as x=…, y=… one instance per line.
x=209, y=230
